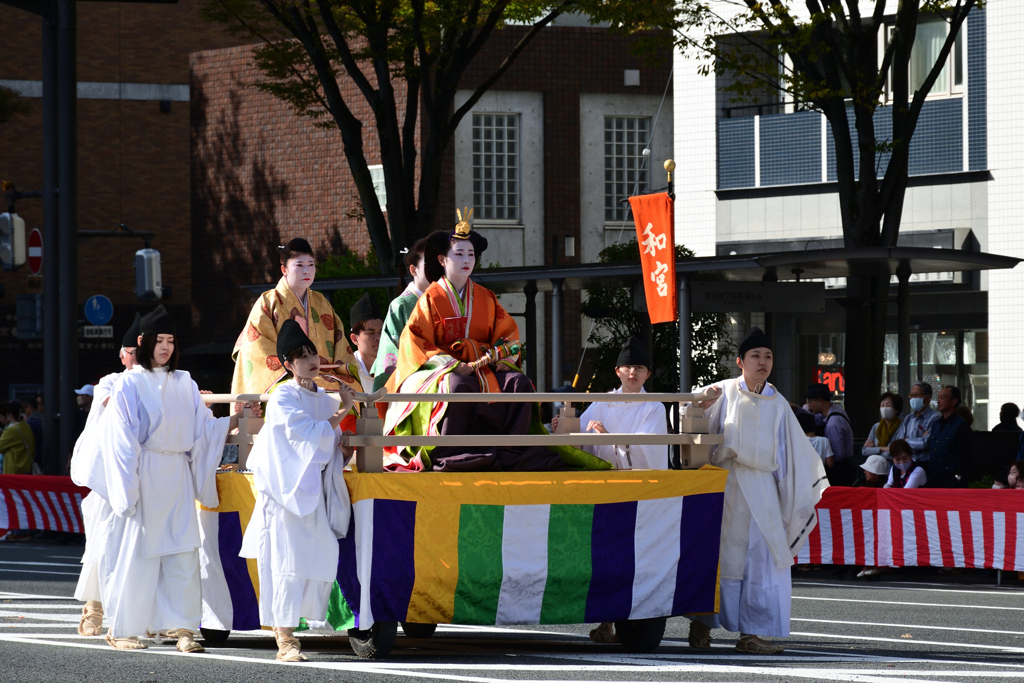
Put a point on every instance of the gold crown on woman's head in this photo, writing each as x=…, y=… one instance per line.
x=462, y=227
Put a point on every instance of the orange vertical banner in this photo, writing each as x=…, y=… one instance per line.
x=653, y=216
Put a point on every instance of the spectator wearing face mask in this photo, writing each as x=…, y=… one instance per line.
x=905, y=473
x=890, y=407
x=916, y=426
x=1012, y=476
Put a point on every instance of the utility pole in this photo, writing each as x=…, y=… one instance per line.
x=67, y=261
x=51, y=245
x=60, y=220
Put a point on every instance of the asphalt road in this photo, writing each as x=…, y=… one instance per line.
x=914, y=625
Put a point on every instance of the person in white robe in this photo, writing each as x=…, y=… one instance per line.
x=633, y=368
x=365, y=322
x=160, y=448
x=96, y=512
x=302, y=504
x=775, y=480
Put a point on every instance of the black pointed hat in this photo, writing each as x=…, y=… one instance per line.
x=364, y=309
x=633, y=353
x=158, y=321
x=131, y=337
x=291, y=337
x=755, y=339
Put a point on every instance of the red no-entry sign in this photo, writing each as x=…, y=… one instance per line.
x=35, y=251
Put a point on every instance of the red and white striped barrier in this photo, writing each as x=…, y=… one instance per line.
x=980, y=528
x=41, y=502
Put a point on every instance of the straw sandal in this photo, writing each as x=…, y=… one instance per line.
x=130, y=643
x=757, y=646
x=92, y=619
x=605, y=633
x=700, y=635
x=288, y=647
x=186, y=643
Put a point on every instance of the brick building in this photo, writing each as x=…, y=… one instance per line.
x=133, y=168
x=262, y=175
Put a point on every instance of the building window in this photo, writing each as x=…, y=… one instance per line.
x=377, y=174
x=928, y=41
x=496, y=166
x=625, y=138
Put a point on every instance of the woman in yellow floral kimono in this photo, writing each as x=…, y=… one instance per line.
x=257, y=367
x=460, y=339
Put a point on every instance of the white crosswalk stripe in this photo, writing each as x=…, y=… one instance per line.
x=470, y=654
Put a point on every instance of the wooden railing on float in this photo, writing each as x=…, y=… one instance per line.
x=693, y=438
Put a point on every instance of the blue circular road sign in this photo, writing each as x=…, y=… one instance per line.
x=99, y=310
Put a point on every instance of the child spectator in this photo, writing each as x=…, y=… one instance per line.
x=905, y=473
x=821, y=444
x=1012, y=476
x=873, y=472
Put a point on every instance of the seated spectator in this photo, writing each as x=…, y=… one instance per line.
x=873, y=472
x=1008, y=414
x=890, y=408
x=905, y=473
x=820, y=443
x=1012, y=476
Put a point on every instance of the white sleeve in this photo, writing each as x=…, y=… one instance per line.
x=654, y=422
x=918, y=478
x=290, y=452
x=120, y=448
x=595, y=412
x=208, y=437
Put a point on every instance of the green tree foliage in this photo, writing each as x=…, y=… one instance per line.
x=612, y=308
x=350, y=264
x=825, y=56
x=406, y=59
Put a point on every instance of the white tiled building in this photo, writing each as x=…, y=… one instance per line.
x=758, y=179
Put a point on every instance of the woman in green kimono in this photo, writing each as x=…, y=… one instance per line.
x=422, y=273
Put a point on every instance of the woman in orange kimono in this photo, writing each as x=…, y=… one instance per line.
x=460, y=339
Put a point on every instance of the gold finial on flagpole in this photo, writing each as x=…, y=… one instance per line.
x=670, y=166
